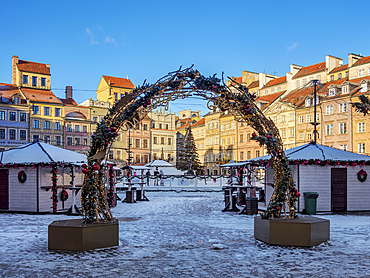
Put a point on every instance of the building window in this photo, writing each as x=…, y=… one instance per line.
x=222, y=141
x=227, y=126
x=2, y=115
x=329, y=110
x=222, y=127
x=283, y=133
x=308, y=118
x=332, y=77
x=241, y=155
x=146, y=158
x=25, y=79
x=118, y=155
x=339, y=75
x=77, y=141
x=241, y=139
x=137, y=126
x=329, y=129
x=361, y=72
x=145, y=143
x=16, y=100
x=35, y=138
x=58, y=140
x=36, y=110
x=12, y=134
x=110, y=155
x=331, y=92
x=361, y=147
x=57, y=112
x=169, y=141
x=137, y=143
x=342, y=128
x=274, y=119
x=300, y=119
x=23, y=117
x=36, y=124
x=291, y=132
x=345, y=89
x=84, y=141
x=343, y=147
x=342, y=107
x=77, y=128
x=69, y=141
x=95, y=119
x=162, y=140
x=145, y=127
x=179, y=124
x=47, y=125
x=84, y=128
x=69, y=127
x=155, y=140
x=297, y=84
x=22, y=135
x=34, y=81
x=233, y=125
x=257, y=153
x=301, y=136
x=308, y=102
x=160, y=126
x=12, y=116
x=309, y=135
x=47, y=139
x=57, y=125
x=361, y=127
x=43, y=81
x=283, y=118
x=115, y=96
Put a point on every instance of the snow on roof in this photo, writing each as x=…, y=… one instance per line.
x=38, y=152
x=159, y=163
x=320, y=152
x=236, y=164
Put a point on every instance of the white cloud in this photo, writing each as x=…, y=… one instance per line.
x=91, y=35
x=101, y=29
x=108, y=39
x=292, y=47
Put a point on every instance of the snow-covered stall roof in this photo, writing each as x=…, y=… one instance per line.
x=39, y=152
x=236, y=164
x=318, y=152
x=159, y=163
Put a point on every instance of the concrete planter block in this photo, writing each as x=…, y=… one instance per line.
x=302, y=231
x=74, y=235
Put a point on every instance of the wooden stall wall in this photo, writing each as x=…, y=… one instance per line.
x=358, y=193
x=23, y=196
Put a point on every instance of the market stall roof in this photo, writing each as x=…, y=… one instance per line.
x=319, y=152
x=38, y=152
x=236, y=164
x=159, y=163
x=134, y=167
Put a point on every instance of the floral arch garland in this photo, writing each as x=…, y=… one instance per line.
x=181, y=84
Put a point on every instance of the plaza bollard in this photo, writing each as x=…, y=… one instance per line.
x=310, y=202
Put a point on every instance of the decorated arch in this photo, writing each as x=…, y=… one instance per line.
x=178, y=85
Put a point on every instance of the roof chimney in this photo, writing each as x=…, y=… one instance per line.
x=14, y=69
x=69, y=92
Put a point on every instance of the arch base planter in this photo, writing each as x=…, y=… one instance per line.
x=305, y=231
x=74, y=235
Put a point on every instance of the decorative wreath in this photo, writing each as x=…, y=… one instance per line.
x=362, y=175
x=64, y=195
x=22, y=177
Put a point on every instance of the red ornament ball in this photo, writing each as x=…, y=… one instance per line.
x=298, y=194
x=247, y=106
x=95, y=167
x=114, y=129
x=254, y=134
x=85, y=171
x=106, y=143
x=295, y=190
x=84, y=165
x=268, y=136
x=277, y=208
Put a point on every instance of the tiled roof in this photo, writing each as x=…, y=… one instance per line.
x=7, y=90
x=119, y=82
x=310, y=70
x=200, y=122
x=276, y=81
x=361, y=61
x=69, y=102
x=36, y=95
x=237, y=80
x=33, y=67
x=358, y=80
x=340, y=68
x=254, y=84
x=269, y=98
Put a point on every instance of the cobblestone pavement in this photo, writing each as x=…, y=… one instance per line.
x=184, y=235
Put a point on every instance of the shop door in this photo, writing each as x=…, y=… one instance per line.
x=4, y=192
x=339, y=189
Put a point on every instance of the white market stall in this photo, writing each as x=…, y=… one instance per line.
x=339, y=177
x=39, y=177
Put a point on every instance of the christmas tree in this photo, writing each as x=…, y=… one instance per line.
x=188, y=156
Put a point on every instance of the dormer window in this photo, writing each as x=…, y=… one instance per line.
x=364, y=87
x=361, y=72
x=16, y=100
x=331, y=92
x=345, y=89
x=34, y=80
x=308, y=102
x=25, y=79
x=43, y=81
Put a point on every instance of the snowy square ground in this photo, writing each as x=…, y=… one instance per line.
x=184, y=235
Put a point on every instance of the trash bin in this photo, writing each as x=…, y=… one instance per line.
x=310, y=202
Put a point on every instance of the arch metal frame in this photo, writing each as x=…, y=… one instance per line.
x=181, y=84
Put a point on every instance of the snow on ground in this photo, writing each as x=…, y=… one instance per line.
x=184, y=235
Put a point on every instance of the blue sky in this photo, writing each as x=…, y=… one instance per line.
x=83, y=40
